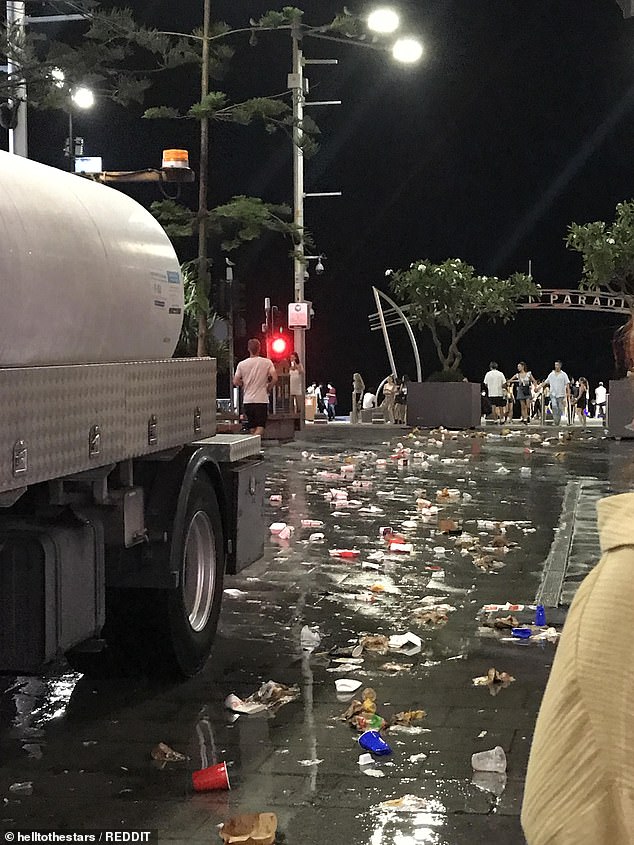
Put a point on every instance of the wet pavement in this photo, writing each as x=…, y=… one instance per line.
x=86, y=745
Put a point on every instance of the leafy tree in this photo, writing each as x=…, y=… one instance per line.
x=607, y=252
x=450, y=298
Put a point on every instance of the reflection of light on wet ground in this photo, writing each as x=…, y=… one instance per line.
x=41, y=700
x=393, y=827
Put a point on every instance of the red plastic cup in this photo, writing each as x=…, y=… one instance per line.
x=213, y=777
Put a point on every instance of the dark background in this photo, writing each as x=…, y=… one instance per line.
x=518, y=121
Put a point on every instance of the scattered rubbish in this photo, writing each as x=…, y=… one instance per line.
x=402, y=641
x=271, y=696
x=502, y=471
x=496, y=608
x=308, y=763
x=25, y=788
x=402, y=548
x=550, y=634
x=348, y=661
x=406, y=718
x=503, y=622
x=346, y=554
x=277, y=527
x=275, y=500
x=237, y=705
x=493, y=782
x=494, y=680
x=235, y=594
x=286, y=533
x=162, y=753
x=406, y=804
x=368, y=766
x=482, y=734
x=396, y=667
x=347, y=685
x=211, y=778
x=309, y=638
x=521, y=633
x=250, y=829
x=312, y=523
x=489, y=761
x=374, y=566
x=374, y=742
x=449, y=526
x=540, y=616
x=434, y=615
x=417, y=758
x=378, y=643
x=316, y=538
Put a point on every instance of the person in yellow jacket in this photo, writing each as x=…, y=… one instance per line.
x=580, y=780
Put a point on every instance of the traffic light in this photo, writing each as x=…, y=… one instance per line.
x=279, y=347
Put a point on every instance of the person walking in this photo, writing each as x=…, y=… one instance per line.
x=400, y=401
x=600, y=398
x=495, y=383
x=581, y=403
x=256, y=376
x=525, y=383
x=358, y=389
x=390, y=389
x=331, y=402
x=559, y=384
x=296, y=371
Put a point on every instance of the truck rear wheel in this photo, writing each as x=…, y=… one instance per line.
x=168, y=631
x=192, y=609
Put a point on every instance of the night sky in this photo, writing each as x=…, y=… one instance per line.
x=519, y=120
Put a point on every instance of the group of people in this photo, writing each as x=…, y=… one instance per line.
x=557, y=392
x=326, y=396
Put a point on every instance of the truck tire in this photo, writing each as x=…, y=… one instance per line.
x=190, y=620
x=168, y=632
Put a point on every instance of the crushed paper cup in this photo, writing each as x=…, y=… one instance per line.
x=404, y=640
x=277, y=527
x=402, y=548
x=347, y=685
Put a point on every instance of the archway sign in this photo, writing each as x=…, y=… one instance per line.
x=548, y=298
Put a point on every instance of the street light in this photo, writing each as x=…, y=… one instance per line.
x=407, y=50
x=84, y=99
x=384, y=21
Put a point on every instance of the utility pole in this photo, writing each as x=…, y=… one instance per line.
x=16, y=27
x=296, y=83
x=203, y=186
x=17, y=21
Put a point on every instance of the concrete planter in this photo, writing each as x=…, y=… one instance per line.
x=450, y=404
x=621, y=408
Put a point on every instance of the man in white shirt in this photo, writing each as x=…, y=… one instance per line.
x=600, y=398
x=369, y=401
x=256, y=376
x=559, y=384
x=495, y=383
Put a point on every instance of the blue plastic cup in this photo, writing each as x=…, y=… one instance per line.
x=521, y=633
x=374, y=742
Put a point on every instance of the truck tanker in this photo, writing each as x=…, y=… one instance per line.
x=121, y=509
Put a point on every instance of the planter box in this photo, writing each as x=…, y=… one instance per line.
x=450, y=404
x=621, y=408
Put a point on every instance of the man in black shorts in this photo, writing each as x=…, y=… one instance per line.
x=256, y=376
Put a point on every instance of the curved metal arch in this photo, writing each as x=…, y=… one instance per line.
x=378, y=295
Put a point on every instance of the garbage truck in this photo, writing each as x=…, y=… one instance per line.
x=121, y=508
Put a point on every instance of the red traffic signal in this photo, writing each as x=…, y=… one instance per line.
x=279, y=347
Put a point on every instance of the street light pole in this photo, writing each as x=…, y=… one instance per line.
x=16, y=26
x=296, y=83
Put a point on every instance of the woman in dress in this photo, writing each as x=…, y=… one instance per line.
x=296, y=372
x=525, y=381
x=358, y=389
x=390, y=389
x=581, y=402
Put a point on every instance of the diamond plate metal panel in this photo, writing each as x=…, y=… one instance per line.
x=51, y=411
x=171, y=391
x=229, y=448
